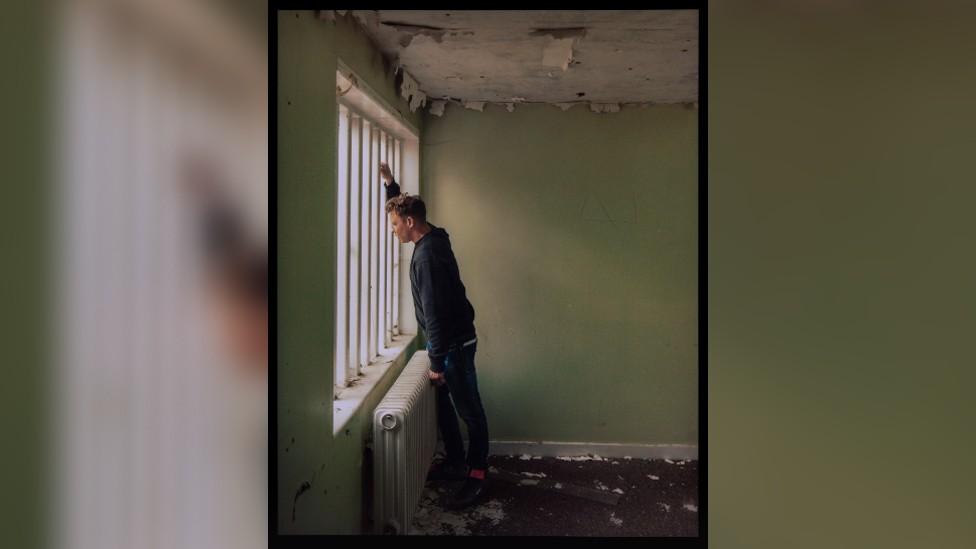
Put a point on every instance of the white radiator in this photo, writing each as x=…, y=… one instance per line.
x=404, y=440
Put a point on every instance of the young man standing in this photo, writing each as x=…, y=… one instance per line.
x=447, y=318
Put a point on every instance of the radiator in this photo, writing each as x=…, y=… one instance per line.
x=404, y=440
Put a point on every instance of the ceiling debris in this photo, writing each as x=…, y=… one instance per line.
x=408, y=31
x=437, y=107
x=572, y=32
x=411, y=92
x=604, y=107
x=619, y=57
x=558, y=53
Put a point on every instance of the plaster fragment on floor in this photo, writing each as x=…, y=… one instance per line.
x=691, y=507
x=525, y=457
x=617, y=490
x=667, y=508
x=653, y=477
x=615, y=520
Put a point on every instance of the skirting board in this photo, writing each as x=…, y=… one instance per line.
x=602, y=449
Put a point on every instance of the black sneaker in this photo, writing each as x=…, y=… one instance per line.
x=470, y=493
x=445, y=470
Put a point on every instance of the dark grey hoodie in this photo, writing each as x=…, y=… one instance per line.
x=443, y=310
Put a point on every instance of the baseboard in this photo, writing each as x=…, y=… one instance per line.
x=602, y=449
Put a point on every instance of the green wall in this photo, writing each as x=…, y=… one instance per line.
x=308, y=49
x=577, y=238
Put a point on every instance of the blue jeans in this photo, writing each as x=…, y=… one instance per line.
x=461, y=392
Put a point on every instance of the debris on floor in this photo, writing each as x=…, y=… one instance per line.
x=553, y=496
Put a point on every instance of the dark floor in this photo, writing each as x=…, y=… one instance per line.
x=655, y=498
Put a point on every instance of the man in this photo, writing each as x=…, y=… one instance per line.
x=447, y=318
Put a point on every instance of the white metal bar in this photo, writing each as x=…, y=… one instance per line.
x=342, y=259
x=384, y=239
x=397, y=159
x=388, y=264
x=355, y=181
x=374, y=260
x=364, y=207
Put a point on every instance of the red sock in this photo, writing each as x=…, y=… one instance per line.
x=477, y=473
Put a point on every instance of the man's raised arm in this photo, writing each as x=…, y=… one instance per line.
x=392, y=188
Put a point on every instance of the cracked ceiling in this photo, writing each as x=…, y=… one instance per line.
x=558, y=57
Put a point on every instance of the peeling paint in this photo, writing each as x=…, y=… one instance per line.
x=604, y=107
x=558, y=53
x=437, y=107
x=480, y=107
x=411, y=31
x=568, y=32
x=565, y=106
x=510, y=107
x=410, y=91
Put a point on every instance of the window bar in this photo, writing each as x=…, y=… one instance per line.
x=374, y=232
x=355, y=188
x=383, y=237
x=397, y=159
x=342, y=202
x=364, y=216
x=387, y=318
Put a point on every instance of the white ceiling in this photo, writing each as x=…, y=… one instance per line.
x=515, y=56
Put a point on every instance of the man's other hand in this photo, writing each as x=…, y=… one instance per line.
x=385, y=172
x=436, y=378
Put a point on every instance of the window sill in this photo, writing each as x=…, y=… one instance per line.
x=350, y=400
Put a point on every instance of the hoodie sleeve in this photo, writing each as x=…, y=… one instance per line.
x=429, y=276
x=392, y=190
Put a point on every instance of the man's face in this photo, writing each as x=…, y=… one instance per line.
x=401, y=226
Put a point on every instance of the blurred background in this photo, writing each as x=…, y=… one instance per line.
x=147, y=224
x=840, y=274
